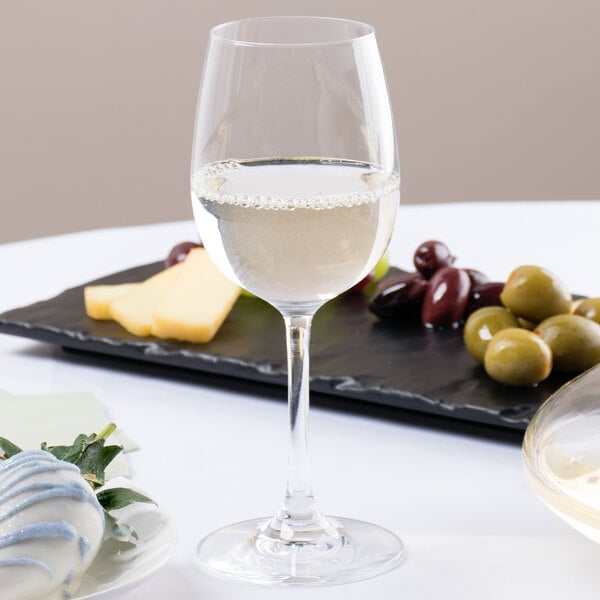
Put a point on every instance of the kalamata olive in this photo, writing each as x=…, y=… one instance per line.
x=179, y=252
x=446, y=298
x=399, y=297
x=431, y=256
x=477, y=277
x=485, y=294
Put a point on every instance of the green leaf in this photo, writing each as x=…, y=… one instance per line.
x=8, y=449
x=95, y=458
x=114, y=498
x=70, y=453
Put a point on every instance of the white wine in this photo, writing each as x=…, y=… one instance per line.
x=569, y=458
x=295, y=231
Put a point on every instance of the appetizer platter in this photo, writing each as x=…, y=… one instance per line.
x=397, y=339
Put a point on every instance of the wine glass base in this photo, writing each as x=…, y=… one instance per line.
x=243, y=552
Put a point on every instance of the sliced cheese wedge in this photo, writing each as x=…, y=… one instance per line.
x=133, y=311
x=197, y=303
x=97, y=298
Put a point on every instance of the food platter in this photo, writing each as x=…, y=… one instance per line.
x=355, y=358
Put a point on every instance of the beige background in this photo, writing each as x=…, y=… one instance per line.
x=492, y=99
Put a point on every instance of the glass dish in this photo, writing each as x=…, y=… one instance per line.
x=561, y=453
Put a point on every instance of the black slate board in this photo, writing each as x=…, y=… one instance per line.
x=353, y=354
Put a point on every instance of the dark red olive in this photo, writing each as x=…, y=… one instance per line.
x=431, y=256
x=485, y=294
x=179, y=252
x=399, y=297
x=476, y=277
x=446, y=298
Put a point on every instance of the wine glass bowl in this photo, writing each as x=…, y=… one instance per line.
x=561, y=453
x=295, y=188
x=300, y=249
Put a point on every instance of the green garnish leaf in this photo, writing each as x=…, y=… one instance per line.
x=115, y=498
x=70, y=453
x=89, y=453
x=95, y=458
x=8, y=449
x=76, y=450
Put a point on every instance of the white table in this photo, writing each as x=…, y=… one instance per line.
x=472, y=527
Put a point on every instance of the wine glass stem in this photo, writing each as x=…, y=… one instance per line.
x=299, y=503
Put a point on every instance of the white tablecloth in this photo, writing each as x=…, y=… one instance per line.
x=472, y=527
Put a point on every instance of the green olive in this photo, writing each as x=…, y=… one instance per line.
x=525, y=324
x=575, y=305
x=518, y=357
x=482, y=325
x=574, y=341
x=589, y=308
x=535, y=294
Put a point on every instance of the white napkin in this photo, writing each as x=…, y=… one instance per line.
x=58, y=419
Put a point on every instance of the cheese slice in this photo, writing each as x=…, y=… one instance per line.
x=196, y=304
x=97, y=298
x=133, y=310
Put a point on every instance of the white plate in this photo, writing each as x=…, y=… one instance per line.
x=116, y=567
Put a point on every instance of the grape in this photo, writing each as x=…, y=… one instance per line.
x=431, y=256
x=179, y=252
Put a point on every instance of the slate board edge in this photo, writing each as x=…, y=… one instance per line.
x=344, y=387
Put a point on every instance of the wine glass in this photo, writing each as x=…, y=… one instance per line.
x=295, y=187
